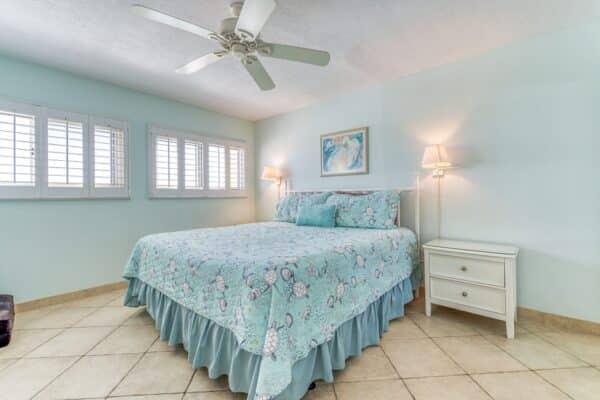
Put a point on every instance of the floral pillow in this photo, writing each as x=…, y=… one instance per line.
x=287, y=208
x=375, y=210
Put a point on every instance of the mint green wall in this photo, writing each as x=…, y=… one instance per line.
x=523, y=124
x=54, y=246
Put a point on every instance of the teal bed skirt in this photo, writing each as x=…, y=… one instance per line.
x=216, y=348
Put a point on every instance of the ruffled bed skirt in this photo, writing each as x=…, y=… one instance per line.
x=216, y=348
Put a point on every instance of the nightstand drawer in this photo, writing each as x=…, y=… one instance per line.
x=482, y=297
x=485, y=270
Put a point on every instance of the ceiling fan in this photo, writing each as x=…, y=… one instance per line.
x=239, y=36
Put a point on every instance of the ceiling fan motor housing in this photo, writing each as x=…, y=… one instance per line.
x=228, y=25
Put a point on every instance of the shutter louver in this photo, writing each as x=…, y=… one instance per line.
x=17, y=149
x=237, y=169
x=109, y=157
x=216, y=167
x=65, y=153
x=194, y=165
x=166, y=174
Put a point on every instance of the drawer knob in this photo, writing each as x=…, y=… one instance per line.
x=465, y=294
x=463, y=268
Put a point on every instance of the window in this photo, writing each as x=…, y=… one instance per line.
x=194, y=165
x=47, y=153
x=184, y=164
x=17, y=149
x=216, y=167
x=109, y=148
x=65, y=154
x=165, y=154
x=237, y=174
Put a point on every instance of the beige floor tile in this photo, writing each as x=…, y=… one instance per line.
x=579, y=383
x=446, y=388
x=202, y=383
x=91, y=376
x=160, y=345
x=518, y=386
x=6, y=362
x=215, y=396
x=164, y=372
x=419, y=358
x=61, y=317
x=403, y=328
x=127, y=339
x=151, y=397
x=321, y=392
x=442, y=325
x=535, y=352
x=23, y=319
x=26, y=377
x=118, y=301
x=477, y=355
x=99, y=300
x=416, y=306
x=140, y=317
x=24, y=341
x=373, y=390
x=584, y=346
x=71, y=342
x=487, y=326
x=107, y=316
x=371, y=364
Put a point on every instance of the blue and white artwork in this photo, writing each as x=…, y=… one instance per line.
x=345, y=153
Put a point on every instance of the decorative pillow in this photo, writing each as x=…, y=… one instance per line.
x=287, y=208
x=322, y=215
x=374, y=210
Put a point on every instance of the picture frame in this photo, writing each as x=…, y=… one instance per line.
x=345, y=152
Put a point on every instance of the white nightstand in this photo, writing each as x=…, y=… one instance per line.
x=479, y=278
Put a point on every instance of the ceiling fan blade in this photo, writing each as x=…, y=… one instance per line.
x=253, y=17
x=199, y=63
x=258, y=73
x=158, y=16
x=294, y=53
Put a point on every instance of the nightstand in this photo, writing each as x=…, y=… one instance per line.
x=479, y=278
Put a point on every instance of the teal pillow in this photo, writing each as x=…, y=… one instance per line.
x=287, y=208
x=375, y=210
x=316, y=215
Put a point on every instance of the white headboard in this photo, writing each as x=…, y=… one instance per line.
x=409, y=212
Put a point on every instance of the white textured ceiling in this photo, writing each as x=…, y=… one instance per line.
x=369, y=40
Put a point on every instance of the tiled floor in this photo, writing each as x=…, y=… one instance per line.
x=97, y=349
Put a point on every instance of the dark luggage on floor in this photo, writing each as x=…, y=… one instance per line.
x=7, y=318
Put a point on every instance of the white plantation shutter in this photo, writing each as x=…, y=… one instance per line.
x=66, y=161
x=194, y=165
x=46, y=153
x=17, y=149
x=216, y=167
x=110, y=158
x=237, y=175
x=186, y=164
x=166, y=163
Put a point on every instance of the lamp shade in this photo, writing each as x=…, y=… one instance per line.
x=435, y=157
x=271, y=174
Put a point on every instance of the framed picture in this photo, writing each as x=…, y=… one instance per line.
x=345, y=152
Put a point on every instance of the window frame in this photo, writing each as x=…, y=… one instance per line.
x=182, y=191
x=26, y=192
x=41, y=190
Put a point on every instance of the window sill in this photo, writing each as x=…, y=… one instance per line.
x=179, y=196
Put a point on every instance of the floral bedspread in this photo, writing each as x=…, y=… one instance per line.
x=281, y=289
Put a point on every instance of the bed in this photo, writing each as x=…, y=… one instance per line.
x=272, y=305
